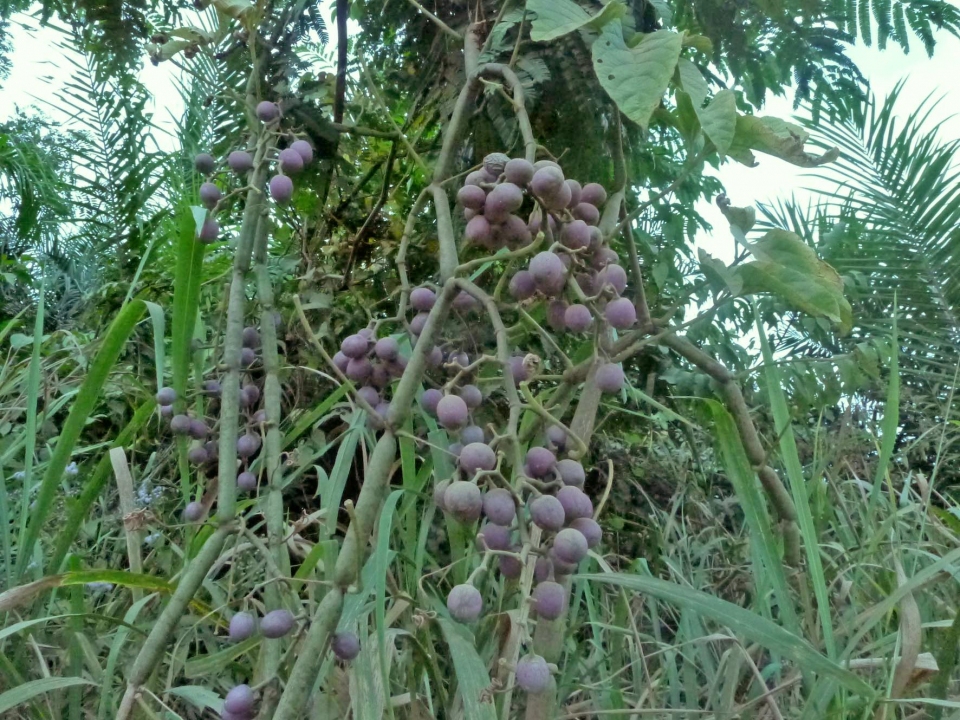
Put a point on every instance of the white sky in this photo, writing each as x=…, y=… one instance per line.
x=40, y=68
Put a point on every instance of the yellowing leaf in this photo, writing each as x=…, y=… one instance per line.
x=636, y=77
x=776, y=137
x=555, y=18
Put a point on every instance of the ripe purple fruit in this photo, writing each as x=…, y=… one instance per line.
x=501, y=201
x=452, y=412
x=240, y=161
x=198, y=429
x=209, y=231
x=495, y=537
x=541, y=570
x=259, y=417
x=575, y=235
x=557, y=315
x=571, y=472
x=471, y=434
x=609, y=378
x=561, y=567
x=359, y=370
x=478, y=231
x=166, y=396
x=477, y=177
x=621, y=313
x=594, y=194
x=510, y=567
x=249, y=395
x=557, y=437
x=242, y=626
x=250, y=337
x=304, y=149
x=166, y=410
x=422, y=299
x=576, y=503
x=369, y=395
x=465, y=302
x=547, y=182
x=522, y=285
x=477, y=456
x=386, y=348
x=239, y=700
x=267, y=111
x=276, y=624
x=471, y=197
x=419, y=322
x=519, y=171
x=587, y=213
x=577, y=318
x=614, y=276
x=515, y=231
x=204, y=163
x=247, y=357
x=519, y=369
x=499, y=507
x=209, y=195
x=341, y=360
x=575, y=190
x=455, y=449
x=180, y=424
x=460, y=359
x=430, y=400
x=471, y=395
x=605, y=256
x=570, y=546
x=545, y=163
x=533, y=674
x=560, y=200
x=346, y=646
x=197, y=455
x=354, y=346
x=549, y=600
x=193, y=512
x=247, y=481
x=540, y=461
x=547, y=270
x=547, y=513
x=290, y=161
x=464, y=603
x=463, y=501
x=435, y=357
x=590, y=529
x=281, y=189
x=247, y=445
x=494, y=163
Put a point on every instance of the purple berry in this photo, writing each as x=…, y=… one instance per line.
x=522, y=285
x=166, y=411
x=250, y=337
x=576, y=503
x=540, y=461
x=439, y=491
x=455, y=449
x=547, y=182
x=478, y=231
x=463, y=501
x=212, y=448
x=430, y=400
x=547, y=513
x=197, y=455
x=465, y=302
x=533, y=674
x=166, y=396
x=198, y=429
x=304, y=149
x=249, y=395
x=519, y=369
x=267, y=111
x=590, y=529
x=354, y=346
x=609, y=378
x=209, y=231
x=557, y=315
x=477, y=177
x=290, y=161
x=452, y=412
x=501, y=201
x=359, y=370
x=510, y=567
x=594, y=194
x=620, y=313
x=570, y=546
x=546, y=268
x=281, y=189
x=477, y=456
x=193, y=512
x=239, y=700
x=209, y=195
x=418, y=323
x=515, y=231
x=614, y=276
x=571, y=472
x=346, y=646
x=464, y=603
x=276, y=624
x=519, y=171
x=180, y=424
x=242, y=626
x=247, y=481
x=587, y=213
x=471, y=197
x=549, y=600
x=471, y=434
x=422, y=299
x=204, y=163
x=248, y=445
x=557, y=436
x=494, y=537
x=499, y=507
x=560, y=200
x=575, y=191
x=435, y=357
x=575, y=235
x=240, y=161
x=472, y=396
x=577, y=318
x=561, y=567
x=541, y=570
x=369, y=395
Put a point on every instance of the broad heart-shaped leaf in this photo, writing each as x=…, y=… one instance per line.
x=789, y=268
x=555, y=18
x=636, y=77
x=776, y=137
x=693, y=83
x=719, y=120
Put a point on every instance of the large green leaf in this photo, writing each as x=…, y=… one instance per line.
x=776, y=137
x=555, y=18
x=789, y=268
x=741, y=621
x=719, y=120
x=636, y=77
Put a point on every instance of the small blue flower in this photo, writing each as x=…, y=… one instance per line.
x=151, y=538
x=19, y=475
x=71, y=470
x=99, y=587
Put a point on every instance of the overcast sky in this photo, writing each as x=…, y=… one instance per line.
x=40, y=69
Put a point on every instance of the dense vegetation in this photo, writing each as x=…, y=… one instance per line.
x=403, y=390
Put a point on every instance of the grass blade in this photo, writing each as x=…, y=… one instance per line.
x=30, y=439
x=29, y=690
x=740, y=621
x=891, y=413
x=472, y=676
x=86, y=401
